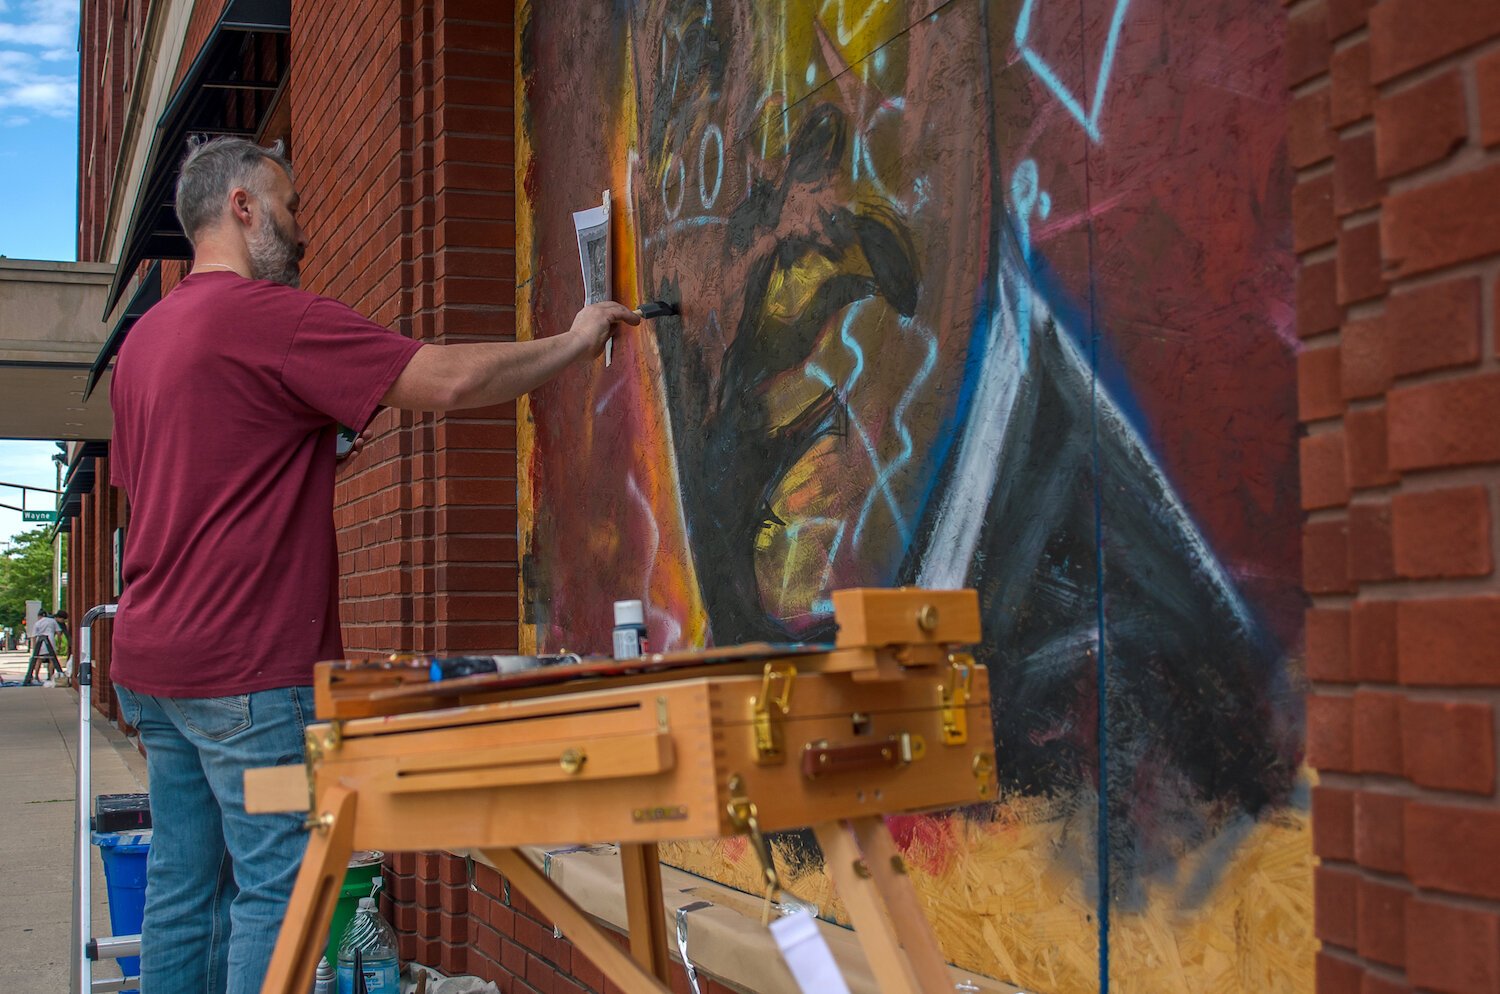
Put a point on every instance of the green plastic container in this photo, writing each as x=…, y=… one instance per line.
x=364, y=868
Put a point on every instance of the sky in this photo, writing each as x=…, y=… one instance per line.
x=39, y=129
x=38, y=181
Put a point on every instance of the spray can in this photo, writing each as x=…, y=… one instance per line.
x=326, y=982
x=630, y=629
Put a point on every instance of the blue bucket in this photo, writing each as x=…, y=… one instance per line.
x=124, y=855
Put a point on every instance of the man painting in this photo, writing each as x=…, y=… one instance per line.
x=227, y=398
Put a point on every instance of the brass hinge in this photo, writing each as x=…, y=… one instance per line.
x=954, y=693
x=320, y=740
x=765, y=710
x=323, y=739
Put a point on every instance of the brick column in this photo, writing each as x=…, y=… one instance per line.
x=405, y=156
x=409, y=184
x=1397, y=211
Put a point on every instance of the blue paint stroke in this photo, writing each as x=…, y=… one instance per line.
x=898, y=417
x=1024, y=183
x=1089, y=118
x=816, y=372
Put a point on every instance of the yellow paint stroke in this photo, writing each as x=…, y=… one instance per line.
x=526, y=271
x=674, y=578
x=674, y=583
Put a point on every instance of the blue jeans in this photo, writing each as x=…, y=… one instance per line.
x=217, y=879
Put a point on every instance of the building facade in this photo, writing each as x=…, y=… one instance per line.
x=1157, y=321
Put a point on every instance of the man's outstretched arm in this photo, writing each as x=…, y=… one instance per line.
x=461, y=377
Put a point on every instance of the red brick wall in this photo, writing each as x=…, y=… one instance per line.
x=407, y=185
x=205, y=15
x=488, y=929
x=402, y=138
x=90, y=568
x=107, y=60
x=407, y=181
x=1393, y=131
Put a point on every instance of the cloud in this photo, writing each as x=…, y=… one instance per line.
x=43, y=23
x=27, y=90
x=37, y=38
x=54, y=96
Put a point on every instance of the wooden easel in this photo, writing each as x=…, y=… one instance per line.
x=863, y=858
x=832, y=739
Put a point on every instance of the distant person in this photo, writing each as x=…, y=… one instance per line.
x=45, y=654
x=63, y=642
x=227, y=398
x=48, y=626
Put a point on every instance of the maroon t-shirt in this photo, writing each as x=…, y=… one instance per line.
x=226, y=396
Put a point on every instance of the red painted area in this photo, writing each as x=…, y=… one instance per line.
x=1171, y=237
x=927, y=841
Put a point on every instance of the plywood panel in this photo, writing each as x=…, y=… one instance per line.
x=991, y=293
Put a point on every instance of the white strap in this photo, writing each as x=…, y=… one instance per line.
x=807, y=955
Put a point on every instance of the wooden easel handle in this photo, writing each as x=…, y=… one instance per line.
x=294, y=963
x=643, y=754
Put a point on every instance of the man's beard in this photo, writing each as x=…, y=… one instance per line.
x=274, y=255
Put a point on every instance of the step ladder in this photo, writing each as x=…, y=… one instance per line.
x=84, y=948
x=42, y=652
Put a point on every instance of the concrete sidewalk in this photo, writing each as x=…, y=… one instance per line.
x=38, y=747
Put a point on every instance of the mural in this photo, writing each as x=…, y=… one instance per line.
x=972, y=293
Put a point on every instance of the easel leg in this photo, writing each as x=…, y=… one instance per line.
x=295, y=959
x=643, y=908
x=881, y=914
x=580, y=929
x=888, y=872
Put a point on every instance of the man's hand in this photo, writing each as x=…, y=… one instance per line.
x=360, y=441
x=594, y=325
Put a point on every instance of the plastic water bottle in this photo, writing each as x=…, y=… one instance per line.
x=374, y=939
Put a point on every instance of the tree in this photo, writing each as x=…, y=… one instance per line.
x=25, y=574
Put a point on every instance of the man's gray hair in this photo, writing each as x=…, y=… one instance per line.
x=211, y=169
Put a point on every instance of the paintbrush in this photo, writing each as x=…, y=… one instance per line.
x=656, y=309
x=652, y=309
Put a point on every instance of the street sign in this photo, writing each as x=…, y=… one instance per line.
x=47, y=516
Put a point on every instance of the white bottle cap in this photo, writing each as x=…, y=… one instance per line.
x=367, y=902
x=629, y=613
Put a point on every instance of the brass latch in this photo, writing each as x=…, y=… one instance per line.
x=955, y=698
x=765, y=710
x=743, y=816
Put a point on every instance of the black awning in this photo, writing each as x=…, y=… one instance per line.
x=228, y=90
x=82, y=473
x=147, y=294
x=80, y=479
